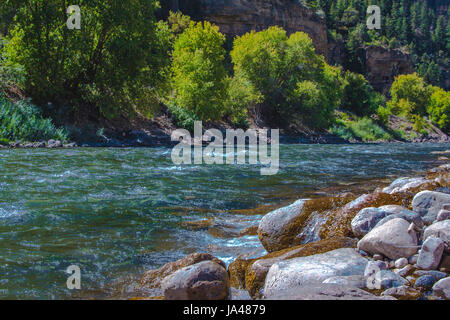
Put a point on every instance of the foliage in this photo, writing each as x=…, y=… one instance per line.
x=23, y=121
x=119, y=54
x=198, y=72
x=410, y=95
x=291, y=79
x=439, y=108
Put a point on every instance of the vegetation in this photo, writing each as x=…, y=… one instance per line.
x=124, y=63
x=22, y=121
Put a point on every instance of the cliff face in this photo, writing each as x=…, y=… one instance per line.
x=383, y=65
x=237, y=17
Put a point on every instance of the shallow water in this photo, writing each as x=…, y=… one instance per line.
x=118, y=212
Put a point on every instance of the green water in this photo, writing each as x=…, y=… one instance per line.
x=118, y=212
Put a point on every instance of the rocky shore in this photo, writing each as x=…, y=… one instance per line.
x=392, y=243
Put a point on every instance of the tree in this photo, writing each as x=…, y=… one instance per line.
x=357, y=95
x=118, y=56
x=410, y=94
x=439, y=108
x=198, y=71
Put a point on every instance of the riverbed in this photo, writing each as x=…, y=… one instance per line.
x=118, y=212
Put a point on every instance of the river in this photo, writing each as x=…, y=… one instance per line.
x=118, y=212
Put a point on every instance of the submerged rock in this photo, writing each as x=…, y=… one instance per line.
x=392, y=239
x=205, y=280
x=429, y=203
x=152, y=278
x=255, y=275
x=431, y=253
x=298, y=272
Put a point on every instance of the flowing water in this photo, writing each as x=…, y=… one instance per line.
x=118, y=212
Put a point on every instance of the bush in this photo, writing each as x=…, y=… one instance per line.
x=198, y=73
x=358, y=96
x=439, y=108
x=410, y=95
x=362, y=129
x=23, y=121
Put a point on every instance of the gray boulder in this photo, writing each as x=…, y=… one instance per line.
x=314, y=269
x=441, y=230
x=443, y=215
x=385, y=279
x=424, y=282
x=431, y=253
x=366, y=220
x=442, y=288
x=405, y=214
x=429, y=203
x=326, y=291
x=355, y=281
x=392, y=239
x=206, y=280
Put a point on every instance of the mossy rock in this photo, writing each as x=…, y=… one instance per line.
x=257, y=269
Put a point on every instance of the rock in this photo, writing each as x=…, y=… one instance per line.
x=257, y=270
x=325, y=291
x=366, y=219
x=239, y=266
x=406, y=270
x=54, y=144
x=437, y=275
x=338, y=222
x=402, y=293
x=355, y=281
x=431, y=253
x=428, y=204
x=205, y=280
x=152, y=278
x=445, y=263
x=282, y=228
x=239, y=294
x=407, y=185
x=373, y=267
x=385, y=279
x=442, y=288
x=413, y=259
x=408, y=215
x=391, y=239
x=443, y=215
x=314, y=269
x=424, y=282
x=441, y=230
x=377, y=257
x=400, y=263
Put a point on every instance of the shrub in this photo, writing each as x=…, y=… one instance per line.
x=23, y=121
x=358, y=96
x=363, y=129
x=410, y=94
x=198, y=73
x=439, y=108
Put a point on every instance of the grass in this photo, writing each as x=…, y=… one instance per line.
x=23, y=121
x=358, y=129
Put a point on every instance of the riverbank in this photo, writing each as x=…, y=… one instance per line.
x=392, y=243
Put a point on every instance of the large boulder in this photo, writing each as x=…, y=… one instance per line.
x=326, y=291
x=442, y=288
x=394, y=239
x=405, y=214
x=441, y=230
x=312, y=270
x=366, y=219
x=258, y=268
x=282, y=228
x=205, y=280
x=152, y=278
x=413, y=185
x=430, y=254
x=429, y=203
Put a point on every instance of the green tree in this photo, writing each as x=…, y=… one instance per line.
x=410, y=94
x=357, y=95
x=199, y=81
x=439, y=108
x=118, y=56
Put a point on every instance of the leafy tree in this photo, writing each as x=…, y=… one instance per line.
x=439, y=108
x=410, y=94
x=357, y=95
x=119, y=54
x=199, y=81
